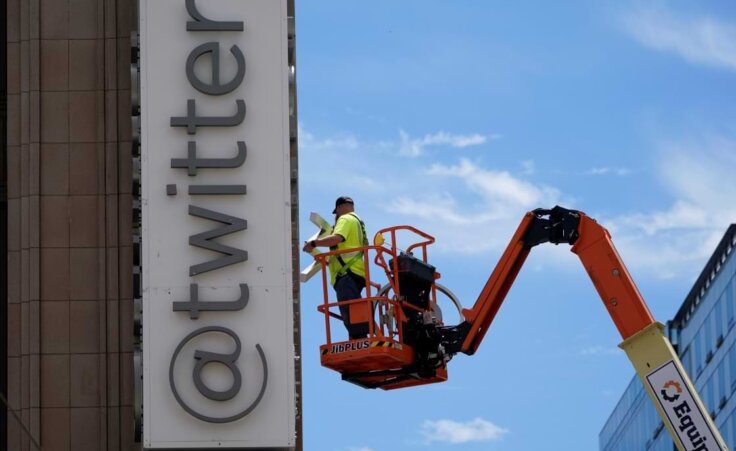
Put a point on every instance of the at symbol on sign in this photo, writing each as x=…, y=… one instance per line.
x=203, y=358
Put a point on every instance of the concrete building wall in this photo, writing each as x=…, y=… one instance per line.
x=70, y=299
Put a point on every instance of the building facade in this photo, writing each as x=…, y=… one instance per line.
x=704, y=336
x=69, y=241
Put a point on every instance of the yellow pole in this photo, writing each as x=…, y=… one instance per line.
x=670, y=389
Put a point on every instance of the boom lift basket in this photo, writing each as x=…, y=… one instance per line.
x=387, y=357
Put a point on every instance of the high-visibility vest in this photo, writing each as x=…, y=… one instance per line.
x=349, y=261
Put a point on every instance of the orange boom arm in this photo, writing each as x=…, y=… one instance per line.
x=656, y=362
x=591, y=242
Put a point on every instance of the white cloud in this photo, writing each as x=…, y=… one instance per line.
x=682, y=215
x=360, y=158
x=703, y=40
x=599, y=350
x=497, y=187
x=414, y=147
x=439, y=208
x=672, y=241
x=360, y=448
x=308, y=142
x=528, y=167
x=405, y=145
x=472, y=196
x=455, y=432
x=701, y=170
x=598, y=171
x=453, y=201
x=606, y=170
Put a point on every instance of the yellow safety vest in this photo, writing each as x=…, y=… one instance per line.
x=352, y=229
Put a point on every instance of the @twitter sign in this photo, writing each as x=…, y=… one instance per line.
x=218, y=351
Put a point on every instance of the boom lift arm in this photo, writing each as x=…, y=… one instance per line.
x=651, y=353
x=590, y=241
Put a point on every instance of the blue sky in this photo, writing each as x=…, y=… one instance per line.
x=457, y=117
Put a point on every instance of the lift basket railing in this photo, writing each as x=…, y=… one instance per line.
x=383, y=307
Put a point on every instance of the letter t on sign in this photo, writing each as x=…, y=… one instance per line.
x=194, y=305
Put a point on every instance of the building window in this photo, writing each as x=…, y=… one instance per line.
x=729, y=299
x=732, y=421
x=709, y=335
x=719, y=318
x=732, y=367
x=722, y=388
x=686, y=361
x=709, y=396
x=700, y=351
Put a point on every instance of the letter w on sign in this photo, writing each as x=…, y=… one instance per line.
x=206, y=240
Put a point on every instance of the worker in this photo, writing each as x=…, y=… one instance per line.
x=347, y=271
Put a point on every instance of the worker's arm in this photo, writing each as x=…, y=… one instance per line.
x=328, y=241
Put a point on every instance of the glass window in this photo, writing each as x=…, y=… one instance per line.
x=732, y=366
x=718, y=318
x=698, y=353
x=710, y=335
x=726, y=433
x=722, y=390
x=686, y=361
x=730, y=303
x=709, y=396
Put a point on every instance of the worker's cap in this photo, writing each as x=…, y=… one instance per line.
x=342, y=200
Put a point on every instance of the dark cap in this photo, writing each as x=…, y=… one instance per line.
x=342, y=200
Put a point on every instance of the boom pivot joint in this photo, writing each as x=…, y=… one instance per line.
x=558, y=225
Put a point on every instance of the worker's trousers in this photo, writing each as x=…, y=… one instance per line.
x=348, y=287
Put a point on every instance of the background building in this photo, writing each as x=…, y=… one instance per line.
x=704, y=335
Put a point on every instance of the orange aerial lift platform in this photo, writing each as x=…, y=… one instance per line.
x=408, y=343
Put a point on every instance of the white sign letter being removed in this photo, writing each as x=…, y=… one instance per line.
x=218, y=351
x=679, y=406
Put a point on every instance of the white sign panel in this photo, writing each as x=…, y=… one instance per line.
x=216, y=239
x=682, y=412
